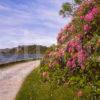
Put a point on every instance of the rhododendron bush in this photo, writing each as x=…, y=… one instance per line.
x=75, y=60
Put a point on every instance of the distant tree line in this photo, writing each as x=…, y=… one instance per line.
x=25, y=49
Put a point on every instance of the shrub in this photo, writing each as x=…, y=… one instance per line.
x=74, y=60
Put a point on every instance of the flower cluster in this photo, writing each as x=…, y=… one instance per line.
x=77, y=40
x=78, y=54
x=85, y=4
x=73, y=46
x=70, y=28
x=82, y=56
x=74, y=59
x=87, y=28
x=91, y=15
x=62, y=37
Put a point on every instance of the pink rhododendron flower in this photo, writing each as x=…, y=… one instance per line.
x=87, y=27
x=78, y=57
x=82, y=55
x=62, y=37
x=94, y=11
x=70, y=49
x=71, y=28
x=89, y=17
x=71, y=63
x=79, y=47
x=73, y=45
x=82, y=17
x=60, y=52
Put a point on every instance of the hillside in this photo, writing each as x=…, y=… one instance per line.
x=25, y=49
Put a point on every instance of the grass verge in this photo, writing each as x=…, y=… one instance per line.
x=34, y=89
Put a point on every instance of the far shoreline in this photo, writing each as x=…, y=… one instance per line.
x=16, y=62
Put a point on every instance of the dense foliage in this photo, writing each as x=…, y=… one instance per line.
x=75, y=60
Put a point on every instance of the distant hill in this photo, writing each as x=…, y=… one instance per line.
x=24, y=49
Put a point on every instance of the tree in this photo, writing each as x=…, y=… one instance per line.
x=68, y=9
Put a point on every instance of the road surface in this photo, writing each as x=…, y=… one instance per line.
x=11, y=78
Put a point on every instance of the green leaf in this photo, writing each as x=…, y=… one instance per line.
x=78, y=1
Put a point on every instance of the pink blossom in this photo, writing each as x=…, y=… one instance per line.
x=71, y=28
x=73, y=45
x=69, y=63
x=94, y=11
x=79, y=57
x=91, y=14
x=82, y=55
x=82, y=17
x=70, y=49
x=73, y=63
x=87, y=27
x=60, y=52
x=89, y=17
x=79, y=47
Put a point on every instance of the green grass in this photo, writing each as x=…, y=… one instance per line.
x=34, y=89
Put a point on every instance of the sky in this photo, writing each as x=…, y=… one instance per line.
x=26, y=22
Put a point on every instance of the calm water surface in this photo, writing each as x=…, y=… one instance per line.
x=13, y=58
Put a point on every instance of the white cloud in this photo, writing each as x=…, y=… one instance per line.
x=31, y=24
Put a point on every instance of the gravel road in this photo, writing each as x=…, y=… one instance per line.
x=11, y=78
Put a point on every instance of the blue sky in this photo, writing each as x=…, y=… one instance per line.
x=24, y=22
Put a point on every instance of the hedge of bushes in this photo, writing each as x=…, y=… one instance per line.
x=75, y=60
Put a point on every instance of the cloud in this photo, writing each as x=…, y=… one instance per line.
x=34, y=22
x=28, y=37
x=3, y=8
